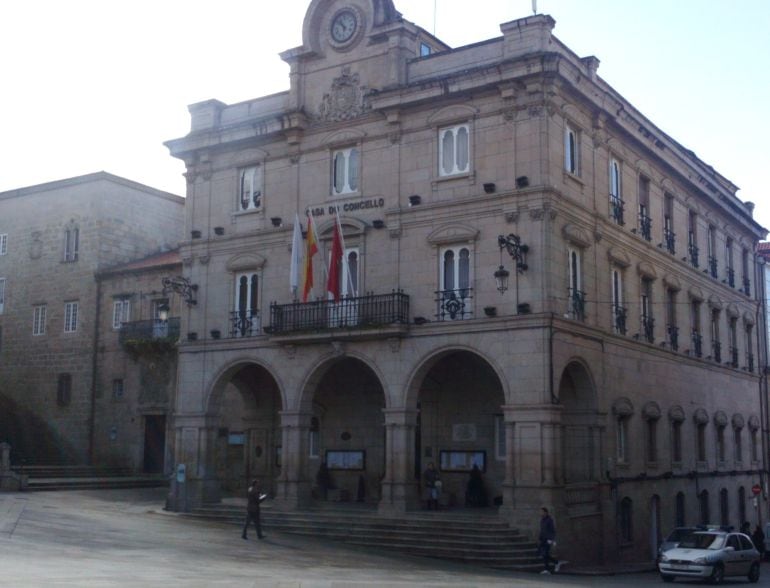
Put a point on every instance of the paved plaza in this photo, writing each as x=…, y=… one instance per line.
x=124, y=538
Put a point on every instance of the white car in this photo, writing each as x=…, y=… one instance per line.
x=712, y=555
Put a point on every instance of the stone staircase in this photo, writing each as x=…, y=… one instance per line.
x=470, y=537
x=81, y=477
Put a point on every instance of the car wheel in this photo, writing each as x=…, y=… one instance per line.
x=718, y=574
x=754, y=573
x=666, y=578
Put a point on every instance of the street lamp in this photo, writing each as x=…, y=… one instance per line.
x=163, y=311
x=518, y=252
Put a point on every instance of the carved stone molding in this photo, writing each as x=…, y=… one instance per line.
x=622, y=407
x=720, y=419
x=646, y=270
x=700, y=417
x=738, y=422
x=576, y=235
x=651, y=411
x=672, y=282
x=345, y=100
x=676, y=414
x=618, y=257
x=290, y=351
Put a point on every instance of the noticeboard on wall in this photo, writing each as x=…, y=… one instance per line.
x=462, y=461
x=345, y=459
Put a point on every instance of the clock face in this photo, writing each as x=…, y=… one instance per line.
x=343, y=26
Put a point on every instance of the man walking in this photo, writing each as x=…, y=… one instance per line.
x=547, y=540
x=252, y=510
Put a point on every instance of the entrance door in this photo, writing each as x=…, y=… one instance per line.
x=154, y=443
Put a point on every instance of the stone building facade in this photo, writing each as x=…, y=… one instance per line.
x=536, y=280
x=54, y=238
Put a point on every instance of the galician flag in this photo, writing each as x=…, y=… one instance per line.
x=311, y=248
x=296, y=257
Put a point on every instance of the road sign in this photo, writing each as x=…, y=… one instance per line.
x=756, y=489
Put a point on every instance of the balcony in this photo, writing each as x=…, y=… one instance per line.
x=648, y=328
x=577, y=305
x=454, y=305
x=692, y=250
x=360, y=313
x=620, y=319
x=746, y=287
x=697, y=344
x=669, y=239
x=617, y=206
x=151, y=330
x=713, y=267
x=244, y=323
x=645, y=227
x=750, y=362
x=673, y=336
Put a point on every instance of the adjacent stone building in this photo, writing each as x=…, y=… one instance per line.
x=54, y=239
x=536, y=280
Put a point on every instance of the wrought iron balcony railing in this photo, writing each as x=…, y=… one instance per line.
x=150, y=330
x=673, y=336
x=746, y=286
x=454, y=305
x=733, y=357
x=577, y=305
x=731, y=277
x=648, y=328
x=244, y=323
x=669, y=239
x=645, y=227
x=692, y=250
x=620, y=319
x=716, y=351
x=713, y=267
x=697, y=344
x=359, y=312
x=617, y=206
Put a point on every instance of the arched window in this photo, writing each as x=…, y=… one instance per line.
x=741, y=504
x=724, y=508
x=705, y=514
x=680, y=512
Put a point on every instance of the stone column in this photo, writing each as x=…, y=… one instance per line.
x=5, y=457
x=294, y=482
x=400, y=491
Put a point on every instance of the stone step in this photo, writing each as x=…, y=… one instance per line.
x=101, y=483
x=70, y=471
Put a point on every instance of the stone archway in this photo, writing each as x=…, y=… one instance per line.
x=244, y=411
x=580, y=432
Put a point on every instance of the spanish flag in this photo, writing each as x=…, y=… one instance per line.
x=311, y=248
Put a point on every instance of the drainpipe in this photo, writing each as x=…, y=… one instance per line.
x=94, y=371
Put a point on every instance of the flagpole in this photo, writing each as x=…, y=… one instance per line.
x=321, y=252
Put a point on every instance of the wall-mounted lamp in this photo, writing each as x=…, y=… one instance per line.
x=163, y=311
x=415, y=200
x=518, y=251
x=378, y=224
x=181, y=286
x=276, y=220
x=489, y=187
x=219, y=230
x=522, y=182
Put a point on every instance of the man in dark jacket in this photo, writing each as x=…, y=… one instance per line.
x=547, y=539
x=252, y=511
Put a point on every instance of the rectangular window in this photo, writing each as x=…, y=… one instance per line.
x=576, y=304
x=738, y=442
x=672, y=330
x=250, y=197
x=711, y=245
x=571, y=159
x=749, y=349
x=676, y=441
x=71, y=244
x=345, y=171
x=425, y=50
x=622, y=440
x=716, y=345
x=64, y=390
x=701, y=442
x=729, y=270
x=754, y=445
x=117, y=389
x=500, y=451
x=618, y=310
x=647, y=320
x=245, y=316
x=2, y=295
x=70, y=317
x=3, y=244
x=616, y=199
x=692, y=239
x=745, y=270
x=721, y=443
x=38, y=320
x=454, y=296
x=645, y=221
x=652, y=440
x=121, y=312
x=453, y=150
x=669, y=238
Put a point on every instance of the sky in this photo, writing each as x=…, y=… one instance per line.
x=90, y=85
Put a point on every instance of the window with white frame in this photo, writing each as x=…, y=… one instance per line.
x=250, y=197
x=576, y=303
x=455, y=283
x=38, y=319
x=2, y=295
x=246, y=304
x=71, y=244
x=121, y=312
x=70, y=317
x=571, y=146
x=3, y=244
x=616, y=199
x=454, y=150
x=500, y=450
x=345, y=171
x=647, y=320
